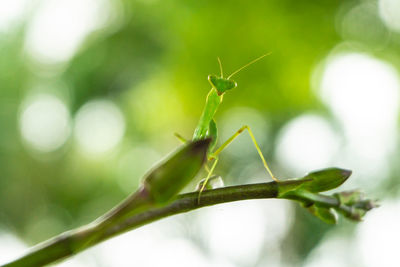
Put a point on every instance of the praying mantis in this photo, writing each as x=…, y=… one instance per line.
x=207, y=128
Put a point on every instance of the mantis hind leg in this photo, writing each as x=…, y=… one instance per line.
x=233, y=137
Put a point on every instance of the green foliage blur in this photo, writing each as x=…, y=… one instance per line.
x=152, y=60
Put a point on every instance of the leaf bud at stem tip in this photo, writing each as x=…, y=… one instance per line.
x=326, y=179
x=173, y=173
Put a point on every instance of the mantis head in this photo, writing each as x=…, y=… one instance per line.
x=222, y=84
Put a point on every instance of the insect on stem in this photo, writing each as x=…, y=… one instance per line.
x=207, y=127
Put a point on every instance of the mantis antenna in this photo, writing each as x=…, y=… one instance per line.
x=248, y=64
x=220, y=67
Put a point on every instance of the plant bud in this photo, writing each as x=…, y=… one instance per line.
x=326, y=179
x=366, y=204
x=355, y=214
x=169, y=177
x=349, y=197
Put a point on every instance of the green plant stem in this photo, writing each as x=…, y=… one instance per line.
x=72, y=242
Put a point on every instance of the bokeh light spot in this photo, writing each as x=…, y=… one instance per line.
x=378, y=236
x=58, y=27
x=10, y=12
x=307, y=143
x=362, y=25
x=10, y=247
x=363, y=94
x=359, y=88
x=44, y=122
x=99, y=126
x=333, y=251
x=151, y=246
x=389, y=11
x=237, y=231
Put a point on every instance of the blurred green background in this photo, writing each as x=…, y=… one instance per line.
x=91, y=93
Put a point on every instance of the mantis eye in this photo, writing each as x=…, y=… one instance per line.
x=221, y=84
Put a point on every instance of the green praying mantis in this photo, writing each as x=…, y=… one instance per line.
x=185, y=163
x=207, y=128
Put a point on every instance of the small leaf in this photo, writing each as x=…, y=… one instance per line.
x=327, y=215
